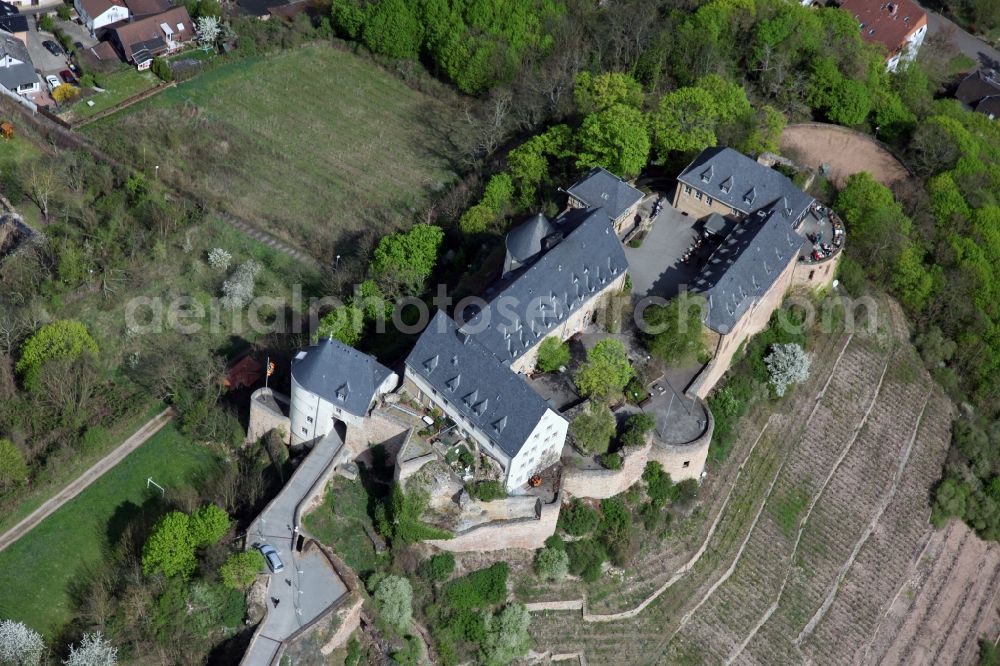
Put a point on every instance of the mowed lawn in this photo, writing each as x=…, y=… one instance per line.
x=312, y=144
x=38, y=572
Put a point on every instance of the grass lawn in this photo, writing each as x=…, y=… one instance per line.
x=960, y=64
x=318, y=146
x=339, y=523
x=37, y=572
x=118, y=86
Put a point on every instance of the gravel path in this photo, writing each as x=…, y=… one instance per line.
x=77, y=486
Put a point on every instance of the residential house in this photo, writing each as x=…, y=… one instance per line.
x=333, y=382
x=97, y=14
x=980, y=91
x=14, y=24
x=900, y=26
x=487, y=400
x=140, y=41
x=143, y=8
x=17, y=72
x=602, y=189
x=758, y=214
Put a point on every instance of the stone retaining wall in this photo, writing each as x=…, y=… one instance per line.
x=500, y=535
x=263, y=419
x=603, y=483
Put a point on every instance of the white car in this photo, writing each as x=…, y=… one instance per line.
x=52, y=82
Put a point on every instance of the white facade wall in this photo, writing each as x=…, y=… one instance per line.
x=543, y=448
x=112, y=15
x=311, y=416
x=910, y=48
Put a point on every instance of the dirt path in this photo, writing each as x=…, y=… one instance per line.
x=845, y=151
x=77, y=486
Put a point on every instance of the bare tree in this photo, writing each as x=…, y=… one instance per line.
x=43, y=182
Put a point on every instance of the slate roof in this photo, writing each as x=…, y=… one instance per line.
x=976, y=86
x=745, y=266
x=476, y=383
x=602, y=189
x=14, y=23
x=741, y=183
x=990, y=106
x=525, y=240
x=16, y=75
x=339, y=374
x=8, y=9
x=561, y=281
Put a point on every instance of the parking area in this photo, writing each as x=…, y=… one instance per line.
x=44, y=62
x=77, y=32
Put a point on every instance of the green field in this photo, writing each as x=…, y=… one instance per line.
x=118, y=87
x=38, y=572
x=317, y=146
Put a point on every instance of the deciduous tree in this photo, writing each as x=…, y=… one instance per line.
x=684, y=121
x=553, y=354
x=675, y=332
x=615, y=138
x=61, y=339
x=240, y=569
x=13, y=469
x=593, y=429
x=606, y=371
x=170, y=548
x=20, y=645
x=787, y=364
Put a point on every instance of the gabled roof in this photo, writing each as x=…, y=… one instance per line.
x=8, y=9
x=741, y=183
x=95, y=8
x=990, y=106
x=745, y=266
x=559, y=283
x=340, y=375
x=884, y=22
x=14, y=23
x=602, y=189
x=20, y=74
x=474, y=382
x=976, y=86
x=146, y=33
x=525, y=240
x=143, y=8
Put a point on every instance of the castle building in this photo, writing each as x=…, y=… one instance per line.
x=333, y=382
x=602, y=189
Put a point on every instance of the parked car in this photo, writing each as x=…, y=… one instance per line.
x=53, y=48
x=68, y=77
x=78, y=46
x=52, y=82
x=274, y=562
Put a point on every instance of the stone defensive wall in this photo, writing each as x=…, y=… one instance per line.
x=529, y=533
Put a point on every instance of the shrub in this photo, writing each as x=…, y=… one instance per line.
x=219, y=259
x=13, y=469
x=659, y=487
x=46, y=23
x=170, y=549
x=552, y=354
x=440, y=567
x=506, y=637
x=479, y=589
x=237, y=291
x=486, y=490
x=552, y=563
x=787, y=364
x=410, y=654
x=635, y=392
x=585, y=558
x=555, y=541
x=685, y=491
x=240, y=569
x=578, y=519
x=94, y=439
x=593, y=429
x=62, y=339
x=615, y=530
x=611, y=460
x=63, y=12
x=208, y=525
x=636, y=428
x=398, y=517
x=394, y=598
x=161, y=69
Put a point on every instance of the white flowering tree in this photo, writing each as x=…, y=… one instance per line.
x=208, y=30
x=94, y=650
x=237, y=291
x=219, y=259
x=20, y=645
x=788, y=364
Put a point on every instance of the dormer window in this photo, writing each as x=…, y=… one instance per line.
x=500, y=424
x=343, y=392
x=706, y=175
x=454, y=382
x=750, y=196
x=431, y=363
x=726, y=185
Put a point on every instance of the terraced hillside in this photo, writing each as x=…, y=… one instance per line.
x=816, y=545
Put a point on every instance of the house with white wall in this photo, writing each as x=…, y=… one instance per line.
x=899, y=26
x=333, y=382
x=97, y=14
x=17, y=73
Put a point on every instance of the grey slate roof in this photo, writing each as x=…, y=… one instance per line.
x=741, y=183
x=339, y=374
x=476, y=383
x=602, y=189
x=976, y=86
x=745, y=266
x=14, y=23
x=16, y=75
x=559, y=282
x=525, y=240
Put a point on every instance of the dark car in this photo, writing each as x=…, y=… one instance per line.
x=78, y=46
x=53, y=48
x=68, y=77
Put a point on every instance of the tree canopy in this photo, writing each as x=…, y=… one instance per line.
x=675, y=332
x=62, y=339
x=615, y=138
x=606, y=371
x=408, y=258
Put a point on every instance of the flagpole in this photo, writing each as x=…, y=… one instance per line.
x=267, y=370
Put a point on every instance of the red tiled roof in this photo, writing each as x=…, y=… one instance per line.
x=887, y=23
x=95, y=8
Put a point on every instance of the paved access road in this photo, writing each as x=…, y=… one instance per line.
x=50, y=506
x=308, y=585
x=970, y=45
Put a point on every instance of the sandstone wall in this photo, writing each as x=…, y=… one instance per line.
x=500, y=535
x=603, y=483
x=263, y=419
x=378, y=428
x=349, y=618
x=816, y=276
x=686, y=461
